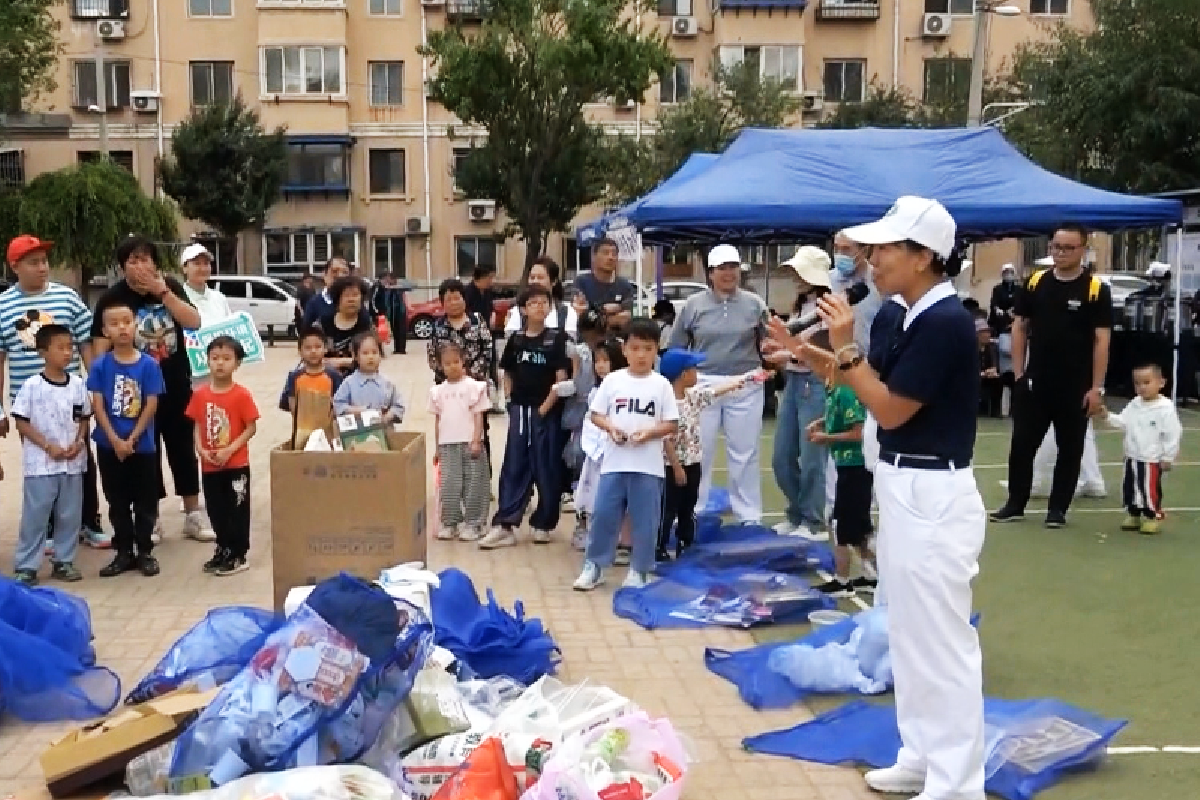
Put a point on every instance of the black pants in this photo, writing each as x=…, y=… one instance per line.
x=227, y=498
x=679, y=508
x=1141, y=489
x=399, y=332
x=131, y=488
x=532, y=459
x=1034, y=411
x=991, y=397
x=176, y=437
x=852, y=506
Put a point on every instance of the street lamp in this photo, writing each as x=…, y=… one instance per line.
x=983, y=10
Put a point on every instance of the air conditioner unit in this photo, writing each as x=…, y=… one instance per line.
x=813, y=100
x=935, y=26
x=684, y=27
x=433, y=3
x=481, y=210
x=144, y=102
x=110, y=30
x=417, y=226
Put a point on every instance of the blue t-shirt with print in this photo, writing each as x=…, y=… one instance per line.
x=124, y=389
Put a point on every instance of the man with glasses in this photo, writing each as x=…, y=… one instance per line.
x=1061, y=329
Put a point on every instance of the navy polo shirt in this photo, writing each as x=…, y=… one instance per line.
x=888, y=321
x=936, y=363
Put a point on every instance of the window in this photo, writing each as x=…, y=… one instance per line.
x=775, y=62
x=1061, y=7
x=122, y=158
x=210, y=8
x=318, y=166
x=844, y=81
x=676, y=85
x=386, y=169
x=212, y=82
x=457, y=159
x=951, y=6
x=387, y=82
x=264, y=291
x=99, y=9
x=234, y=289
x=947, y=81
x=390, y=7
x=116, y=84
x=389, y=255
x=474, y=251
x=302, y=70
x=292, y=254
x=675, y=8
x=12, y=167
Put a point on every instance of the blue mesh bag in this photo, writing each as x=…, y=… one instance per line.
x=752, y=546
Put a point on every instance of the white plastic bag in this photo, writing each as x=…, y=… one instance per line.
x=305, y=783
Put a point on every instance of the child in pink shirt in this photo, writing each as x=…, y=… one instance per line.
x=459, y=404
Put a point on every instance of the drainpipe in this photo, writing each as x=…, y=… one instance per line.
x=896, y=44
x=425, y=141
x=158, y=87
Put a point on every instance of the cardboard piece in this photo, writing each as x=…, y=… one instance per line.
x=314, y=410
x=100, y=750
x=363, y=432
x=358, y=512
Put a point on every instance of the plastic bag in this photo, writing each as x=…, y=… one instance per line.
x=752, y=547
x=305, y=783
x=633, y=758
x=433, y=709
x=211, y=653
x=486, y=775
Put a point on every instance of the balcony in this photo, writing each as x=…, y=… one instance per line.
x=853, y=10
x=466, y=10
x=99, y=9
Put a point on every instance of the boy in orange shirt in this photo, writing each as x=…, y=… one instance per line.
x=226, y=417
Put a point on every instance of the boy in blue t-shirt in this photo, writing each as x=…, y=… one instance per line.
x=125, y=385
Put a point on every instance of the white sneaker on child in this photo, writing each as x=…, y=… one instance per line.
x=635, y=580
x=539, y=536
x=446, y=534
x=589, y=578
x=193, y=528
x=498, y=537
x=469, y=533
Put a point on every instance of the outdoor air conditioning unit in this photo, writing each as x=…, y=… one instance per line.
x=935, y=26
x=684, y=27
x=813, y=100
x=417, y=226
x=144, y=102
x=481, y=210
x=433, y=3
x=111, y=30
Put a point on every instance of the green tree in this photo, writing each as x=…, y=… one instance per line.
x=224, y=169
x=87, y=210
x=524, y=76
x=706, y=122
x=882, y=107
x=29, y=49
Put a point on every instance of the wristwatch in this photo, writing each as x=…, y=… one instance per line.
x=851, y=364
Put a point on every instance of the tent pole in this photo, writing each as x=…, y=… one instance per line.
x=637, y=276
x=1177, y=279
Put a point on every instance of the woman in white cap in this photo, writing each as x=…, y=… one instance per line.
x=197, y=269
x=931, y=517
x=727, y=324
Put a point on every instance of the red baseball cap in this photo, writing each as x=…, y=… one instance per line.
x=25, y=244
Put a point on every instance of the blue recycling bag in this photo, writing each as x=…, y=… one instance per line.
x=741, y=598
x=486, y=638
x=717, y=503
x=1030, y=744
x=752, y=546
x=213, y=651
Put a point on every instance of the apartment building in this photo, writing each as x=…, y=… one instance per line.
x=371, y=162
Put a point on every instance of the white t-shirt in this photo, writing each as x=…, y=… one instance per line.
x=634, y=403
x=55, y=411
x=513, y=323
x=212, y=306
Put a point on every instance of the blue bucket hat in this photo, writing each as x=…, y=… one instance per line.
x=676, y=361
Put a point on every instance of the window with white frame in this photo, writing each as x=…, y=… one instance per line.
x=99, y=9
x=386, y=7
x=212, y=82
x=386, y=168
x=289, y=254
x=845, y=80
x=387, y=82
x=390, y=255
x=301, y=69
x=966, y=7
x=780, y=63
x=675, y=85
x=116, y=85
x=210, y=8
x=1058, y=7
x=474, y=251
x=675, y=8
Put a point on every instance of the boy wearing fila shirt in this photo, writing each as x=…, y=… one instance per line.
x=636, y=408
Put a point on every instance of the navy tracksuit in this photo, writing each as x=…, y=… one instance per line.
x=532, y=458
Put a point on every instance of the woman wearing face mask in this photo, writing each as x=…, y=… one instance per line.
x=1004, y=297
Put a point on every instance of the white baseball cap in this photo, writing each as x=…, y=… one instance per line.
x=918, y=219
x=194, y=250
x=811, y=265
x=723, y=254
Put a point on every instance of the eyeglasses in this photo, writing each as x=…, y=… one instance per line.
x=1064, y=248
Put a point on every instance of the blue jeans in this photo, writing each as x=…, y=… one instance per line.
x=43, y=495
x=798, y=464
x=619, y=493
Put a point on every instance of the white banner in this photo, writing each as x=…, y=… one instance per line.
x=627, y=241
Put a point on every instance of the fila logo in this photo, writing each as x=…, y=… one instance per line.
x=632, y=405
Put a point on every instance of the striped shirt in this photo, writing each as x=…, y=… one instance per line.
x=21, y=315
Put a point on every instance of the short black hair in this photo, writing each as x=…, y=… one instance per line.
x=227, y=343
x=343, y=259
x=342, y=285
x=1074, y=227
x=357, y=342
x=605, y=241
x=449, y=347
x=972, y=305
x=553, y=272
x=308, y=333
x=644, y=329
x=482, y=271
x=662, y=309
x=590, y=321
x=451, y=285
x=531, y=291
x=46, y=334
x=137, y=244
x=949, y=266
x=1154, y=365
x=115, y=305
x=611, y=347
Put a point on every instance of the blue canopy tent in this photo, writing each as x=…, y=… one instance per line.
x=773, y=185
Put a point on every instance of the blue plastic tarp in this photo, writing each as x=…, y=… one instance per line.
x=695, y=164
x=795, y=183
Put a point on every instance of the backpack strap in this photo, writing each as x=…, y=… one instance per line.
x=1035, y=279
x=1094, y=289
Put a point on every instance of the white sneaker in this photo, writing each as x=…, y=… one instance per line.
x=446, y=534
x=1098, y=492
x=496, y=538
x=589, y=578
x=784, y=528
x=157, y=536
x=895, y=780
x=805, y=532
x=635, y=580
x=193, y=528
x=539, y=536
x=469, y=533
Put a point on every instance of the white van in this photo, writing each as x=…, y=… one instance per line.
x=270, y=301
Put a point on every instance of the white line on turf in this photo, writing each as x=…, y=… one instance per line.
x=1139, y=749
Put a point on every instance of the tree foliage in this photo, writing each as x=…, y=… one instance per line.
x=224, y=169
x=524, y=76
x=87, y=210
x=29, y=50
x=706, y=122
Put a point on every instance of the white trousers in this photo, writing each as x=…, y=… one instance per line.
x=739, y=415
x=931, y=529
x=1091, y=481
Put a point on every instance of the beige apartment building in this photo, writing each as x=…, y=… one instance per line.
x=371, y=162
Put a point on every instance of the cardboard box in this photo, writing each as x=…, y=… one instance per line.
x=96, y=752
x=346, y=512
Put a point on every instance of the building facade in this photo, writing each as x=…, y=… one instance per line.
x=371, y=161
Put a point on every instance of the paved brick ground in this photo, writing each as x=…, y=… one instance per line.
x=137, y=618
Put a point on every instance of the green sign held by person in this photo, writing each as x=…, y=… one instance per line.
x=240, y=326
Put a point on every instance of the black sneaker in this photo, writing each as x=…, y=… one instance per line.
x=26, y=577
x=1007, y=513
x=1055, y=519
x=121, y=563
x=662, y=555
x=835, y=588
x=864, y=584
x=232, y=565
x=147, y=565
x=219, y=557
x=623, y=555
x=66, y=572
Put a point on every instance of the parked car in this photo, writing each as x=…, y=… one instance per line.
x=422, y=315
x=1123, y=285
x=677, y=292
x=270, y=301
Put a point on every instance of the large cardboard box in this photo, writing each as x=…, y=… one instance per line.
x=346, y=512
